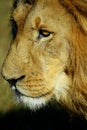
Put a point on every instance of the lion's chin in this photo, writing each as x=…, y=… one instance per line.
x=33, y=103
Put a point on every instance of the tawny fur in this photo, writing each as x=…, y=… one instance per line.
x=55, y=67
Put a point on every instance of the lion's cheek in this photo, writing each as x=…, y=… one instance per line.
x=62, y=88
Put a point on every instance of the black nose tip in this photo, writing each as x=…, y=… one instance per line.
x=14, y=81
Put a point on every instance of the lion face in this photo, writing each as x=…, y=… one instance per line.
x=38, y=56
x=38, y=62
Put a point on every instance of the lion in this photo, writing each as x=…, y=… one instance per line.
x=47, y=59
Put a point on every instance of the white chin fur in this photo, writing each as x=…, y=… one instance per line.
x=32, y=103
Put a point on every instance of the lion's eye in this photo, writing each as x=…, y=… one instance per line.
x=43, y=33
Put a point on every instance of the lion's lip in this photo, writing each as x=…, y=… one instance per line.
x=13, y=88
x=19, y=94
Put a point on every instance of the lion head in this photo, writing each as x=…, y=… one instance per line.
x=47, y=59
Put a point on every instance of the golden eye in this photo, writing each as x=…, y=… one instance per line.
x=44, y=33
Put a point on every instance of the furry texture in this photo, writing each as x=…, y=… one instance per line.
x=48, y=57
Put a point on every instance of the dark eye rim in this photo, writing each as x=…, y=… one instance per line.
x=44, y=33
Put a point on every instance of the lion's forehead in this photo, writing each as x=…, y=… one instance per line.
x=49, y=11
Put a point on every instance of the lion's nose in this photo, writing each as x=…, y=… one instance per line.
x=13, y=82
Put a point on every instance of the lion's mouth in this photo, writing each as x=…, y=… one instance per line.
x=19, y=93
x=16, y=91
